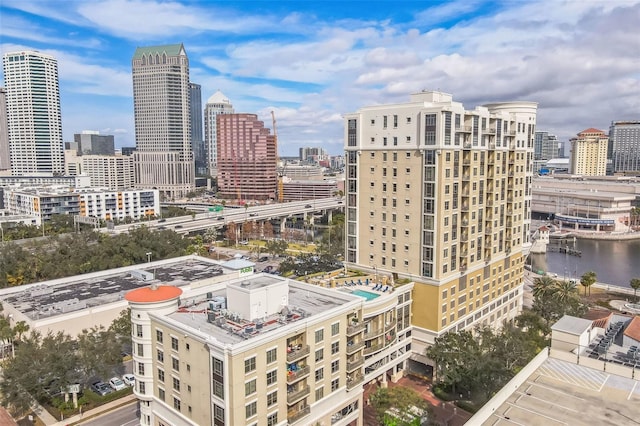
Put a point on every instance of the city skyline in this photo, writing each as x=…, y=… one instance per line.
x=338, y=59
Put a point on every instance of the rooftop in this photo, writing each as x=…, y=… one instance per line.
x=216, y=312
x=561, y=392
x=572, y=325
x=169, y=49
x=57, y=297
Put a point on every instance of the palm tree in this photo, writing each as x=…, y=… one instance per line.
x=564, y=290
x=20, y=329
x=635, y=285
x=543, y=286
x=587, y=280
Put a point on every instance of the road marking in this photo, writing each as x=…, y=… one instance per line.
x=554, y=390
x=633, y=389
x=546, y=401
x=536, y=413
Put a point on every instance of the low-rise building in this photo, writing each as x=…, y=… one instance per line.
x=264, y=350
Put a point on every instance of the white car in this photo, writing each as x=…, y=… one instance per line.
x=116, y=384
x=129, y=379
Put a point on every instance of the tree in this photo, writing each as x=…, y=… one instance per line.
x=587, y=280
x=635, y=285
x=267, y=230
x=543, y=285
x=276, y=247
x=99, y=351
x=552, y=300
x=121, y=327
x=401, y=401
x=231, y=233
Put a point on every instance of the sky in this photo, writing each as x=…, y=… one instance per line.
x=311, y=62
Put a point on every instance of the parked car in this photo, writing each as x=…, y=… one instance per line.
x=253, y=214
x=308, y=206
x=129, y=379
x=268, y=269
x=116, y=384
x=263, y=259
x=162, y=220
x=100, y=388
x=178, y=227
x=220, y=218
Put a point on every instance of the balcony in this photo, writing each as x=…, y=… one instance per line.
x=355, y=347
x=466, y=161
x=464, y=223
x=354, y=382
x=297, y=354
x=509, y=223
x=490, y=202
x=488, y=230
x=357, y=362
x=372, y=349
x=294, y=376
x=463, y=267
x=355, y=329
x=510, y=199
x=490, y=130
x=373, y=333
x=512, y=132
x=464, y=253
x=466, y=177
x=295, y=415
x=464, y=208
x=390, y=325
x=467, y=145
x=464, y=237
x=297, y=395
x=465, y=192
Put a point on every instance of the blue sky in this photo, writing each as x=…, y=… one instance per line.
x=313, y=61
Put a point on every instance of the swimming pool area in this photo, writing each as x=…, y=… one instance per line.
x=366, y=294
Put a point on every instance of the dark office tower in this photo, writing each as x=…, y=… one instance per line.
x=34, y=122
x=624, y=139
x=163, y=157
x=93, y=143
x=197, y=141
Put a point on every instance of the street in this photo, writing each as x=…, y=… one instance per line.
x=124, y=416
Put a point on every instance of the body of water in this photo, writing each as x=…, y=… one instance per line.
x=615, y=262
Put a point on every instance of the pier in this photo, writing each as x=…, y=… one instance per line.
x=566, y=250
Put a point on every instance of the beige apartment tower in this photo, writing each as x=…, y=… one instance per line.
x=589, y=153
x=441, y=196
x=161, y=99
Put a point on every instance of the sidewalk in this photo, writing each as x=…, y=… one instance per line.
x=49, y=420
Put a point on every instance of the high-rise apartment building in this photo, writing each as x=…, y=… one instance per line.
x=441, y=195
x=624, y=140
x=91, y=142
x=161, y=97
x=33, y=113
x=545, y=146
x=246, y=158
x=264, y=350
x=5, y=164
x=312, y=154
x=217, y=104
x=195, y=105
x=114, y=172
x=589, y=153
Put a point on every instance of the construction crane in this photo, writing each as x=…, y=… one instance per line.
x=280, y=188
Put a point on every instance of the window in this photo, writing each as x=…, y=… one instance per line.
x=251, y=409
x=218, y=389
x=335, y=348
x=319, y=335
x=335, y=366
x=138, y=330
x=272, y=419
x=319, y=355
x=160, y=356
x=142, y=388
x=335, y=328
x=272, y=398
x=176, y=404
x=250, y=387
x=272, y=377
x=319, y=374
x=174, y=343
x=160, y=374
x=140, y=350
x=175, y=364
x=250, y=364
x=218, y=413
x=217, y=366
x=319, y=393
x=161, y=394
x=176, y=383
x=335, y=384
x=272, y=355
x=141, y=369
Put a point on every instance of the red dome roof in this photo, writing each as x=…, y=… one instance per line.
x=153, y=295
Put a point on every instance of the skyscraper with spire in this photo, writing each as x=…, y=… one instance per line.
x=161, y=98
x=34, y=121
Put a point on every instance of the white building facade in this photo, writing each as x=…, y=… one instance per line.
x=33, y=113
x=217, y=104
